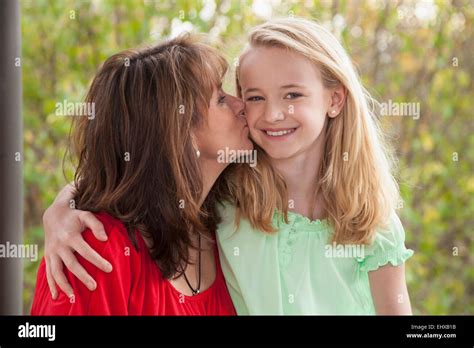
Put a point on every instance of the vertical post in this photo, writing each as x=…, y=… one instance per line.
x=11, y=158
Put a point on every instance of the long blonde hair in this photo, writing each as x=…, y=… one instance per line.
x=356, y=178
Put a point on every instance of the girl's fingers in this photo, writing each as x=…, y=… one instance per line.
x=76, y=268
x=86, y=251
x=51, y=282
x=59, y=277
x=90, y=221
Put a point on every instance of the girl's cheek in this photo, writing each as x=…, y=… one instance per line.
x=254, y=134
x=252, y=116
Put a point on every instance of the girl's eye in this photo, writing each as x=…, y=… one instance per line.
x=293, y=95
x=255, y=98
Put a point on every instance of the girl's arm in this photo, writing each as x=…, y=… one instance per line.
x=113, y=293
x=389, y=290
x=63, y=227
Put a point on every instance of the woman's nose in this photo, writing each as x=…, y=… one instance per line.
x=237, y=106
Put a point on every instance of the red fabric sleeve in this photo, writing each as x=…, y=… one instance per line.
x=111, y=297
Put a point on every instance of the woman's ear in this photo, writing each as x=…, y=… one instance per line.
x=338, y=98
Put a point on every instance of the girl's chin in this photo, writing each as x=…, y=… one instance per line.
x=279, y=155
x=276, y=151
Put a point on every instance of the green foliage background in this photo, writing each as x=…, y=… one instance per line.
x=407, y=51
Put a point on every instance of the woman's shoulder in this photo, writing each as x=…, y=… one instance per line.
x=118, y=239
x=113, y=290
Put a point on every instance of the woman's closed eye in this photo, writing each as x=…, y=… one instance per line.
x=221, y=99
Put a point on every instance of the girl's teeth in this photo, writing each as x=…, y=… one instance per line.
x=280, y=133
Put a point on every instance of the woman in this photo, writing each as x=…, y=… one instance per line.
x=147, y=162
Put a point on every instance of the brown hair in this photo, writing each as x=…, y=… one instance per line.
x=136, y=157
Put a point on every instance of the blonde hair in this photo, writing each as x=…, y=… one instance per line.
x=356, y=178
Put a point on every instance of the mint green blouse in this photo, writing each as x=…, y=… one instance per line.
x=297, y=270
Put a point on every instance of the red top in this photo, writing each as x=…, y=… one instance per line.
x=134, y=287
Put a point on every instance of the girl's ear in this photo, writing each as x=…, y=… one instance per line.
x=338, y=98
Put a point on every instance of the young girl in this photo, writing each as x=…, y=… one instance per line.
x=312, y=228
x=308, y=112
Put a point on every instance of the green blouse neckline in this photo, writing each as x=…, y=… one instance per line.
x=299, y=221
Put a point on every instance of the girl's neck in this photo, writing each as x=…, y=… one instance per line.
x=301, y=175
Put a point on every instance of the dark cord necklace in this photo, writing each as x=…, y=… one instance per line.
x=197, y=290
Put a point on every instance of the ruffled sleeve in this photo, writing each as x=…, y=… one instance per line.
x=388, y=247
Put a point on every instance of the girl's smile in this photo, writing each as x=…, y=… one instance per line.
x=279, y=134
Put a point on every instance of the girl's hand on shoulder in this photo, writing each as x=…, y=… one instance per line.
x=63, y=227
